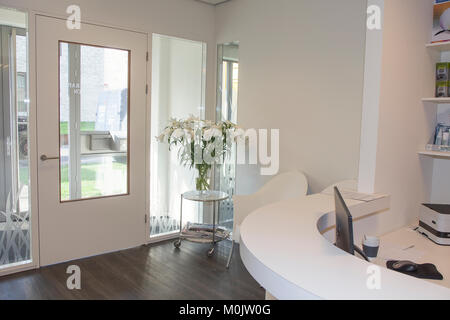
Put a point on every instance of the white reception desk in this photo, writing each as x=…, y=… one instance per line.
x=282, y=247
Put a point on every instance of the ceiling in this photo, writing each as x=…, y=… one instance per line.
x=214, y=2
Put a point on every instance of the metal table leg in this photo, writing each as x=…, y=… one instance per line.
x=231, y=254
x=213, y=244
x=177, y=243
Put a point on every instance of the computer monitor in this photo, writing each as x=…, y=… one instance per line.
x=344, y=224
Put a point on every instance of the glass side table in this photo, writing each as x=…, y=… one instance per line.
x=203, y=233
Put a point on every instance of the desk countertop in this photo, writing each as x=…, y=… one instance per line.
x=283, y=249
x=408, y=244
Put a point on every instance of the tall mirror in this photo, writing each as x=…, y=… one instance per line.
x=227, y=104
x=178, y=91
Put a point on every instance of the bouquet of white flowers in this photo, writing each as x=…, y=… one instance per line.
x=201, y=144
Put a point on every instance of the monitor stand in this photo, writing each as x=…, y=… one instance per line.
x=361, y=253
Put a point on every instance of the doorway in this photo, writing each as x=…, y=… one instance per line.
x=91, y=139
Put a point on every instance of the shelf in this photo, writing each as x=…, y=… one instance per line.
x=436, y=100
x=205, y=239
x=435, y=154
x=439, y=47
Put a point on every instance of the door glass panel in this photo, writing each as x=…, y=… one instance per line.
x=94, y=90
x=15, y=216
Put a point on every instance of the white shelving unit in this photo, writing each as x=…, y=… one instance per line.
x=435, y=154
x=439, y=47
x=437, y=50
x=436, y=100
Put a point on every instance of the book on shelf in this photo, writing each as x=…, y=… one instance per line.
x=437, y=148
x=441, y=140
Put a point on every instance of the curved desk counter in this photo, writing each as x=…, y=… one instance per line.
x=282, y=247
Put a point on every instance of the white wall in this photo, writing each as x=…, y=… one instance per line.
x=371, y=103
x=13, y=18
x=301, y=71
x=187, y=19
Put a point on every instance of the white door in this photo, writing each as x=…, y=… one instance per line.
x=91, y=118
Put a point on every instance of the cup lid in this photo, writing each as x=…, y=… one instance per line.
x=371, y=241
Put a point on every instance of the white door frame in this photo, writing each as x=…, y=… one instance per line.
x=148, y=137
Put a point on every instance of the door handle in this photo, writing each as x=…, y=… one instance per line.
x=45, y=158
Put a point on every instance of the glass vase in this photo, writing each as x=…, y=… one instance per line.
x=202, y=182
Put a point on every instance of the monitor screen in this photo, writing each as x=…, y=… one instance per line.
x=344, y=224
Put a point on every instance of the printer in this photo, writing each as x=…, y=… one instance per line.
x=434, y=222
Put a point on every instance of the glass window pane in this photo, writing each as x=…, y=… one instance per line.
x=224, y=88
x=93, y=121
x=15, y=215
x=103, y=174
x=228, y=88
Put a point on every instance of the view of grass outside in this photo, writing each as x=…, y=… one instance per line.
x=23, y=176
x=85, y=126
x=89, y=176
x=92, y=175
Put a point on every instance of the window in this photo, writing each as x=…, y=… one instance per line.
x=15, y=217
x=94, y=106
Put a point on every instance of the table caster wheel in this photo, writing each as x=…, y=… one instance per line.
x=210, y=252
x=177, y=243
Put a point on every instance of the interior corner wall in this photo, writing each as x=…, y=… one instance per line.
x=301, y=71
x=371, y=103
x=407, y=75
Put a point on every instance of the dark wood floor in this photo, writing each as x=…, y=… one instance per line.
x=157, y=271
